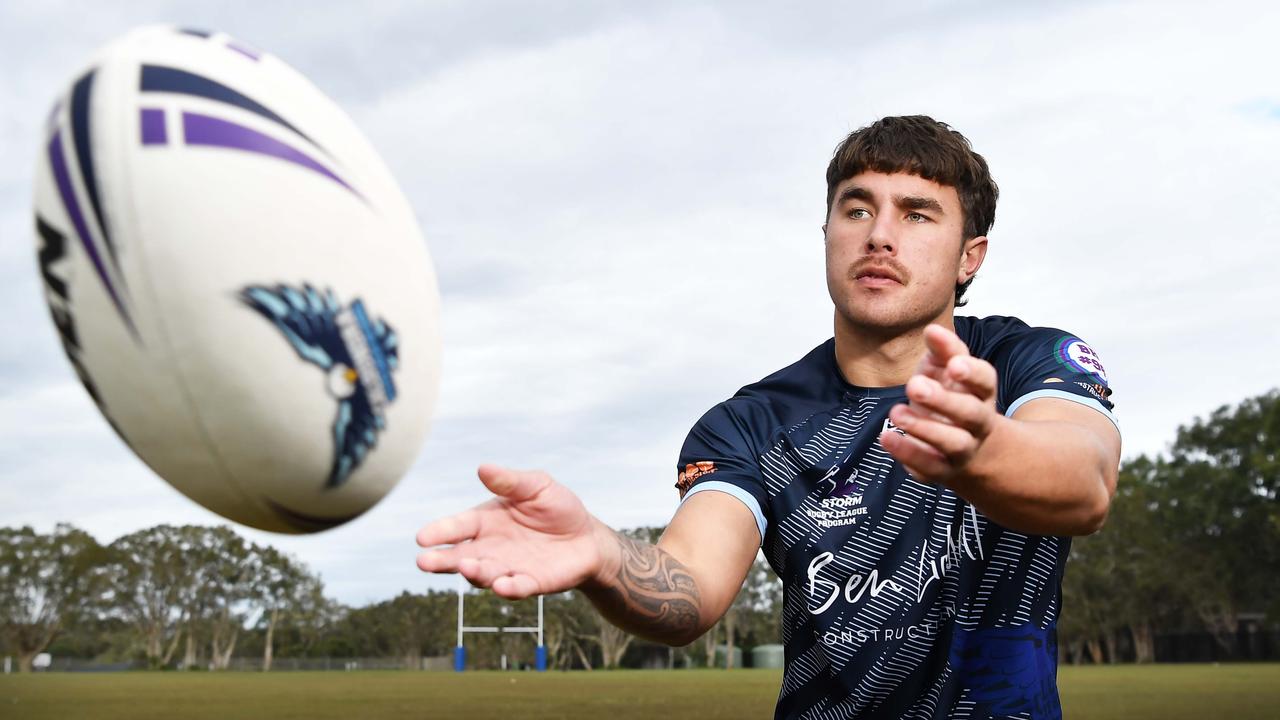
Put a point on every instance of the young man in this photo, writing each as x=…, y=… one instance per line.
x=914, y=480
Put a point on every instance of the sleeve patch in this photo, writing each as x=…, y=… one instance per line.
x=1073, y=353
x=691, y=473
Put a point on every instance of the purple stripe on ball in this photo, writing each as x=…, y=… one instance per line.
x=153, y=129
x=216, y=132
x=245, y=50
x=58, y=161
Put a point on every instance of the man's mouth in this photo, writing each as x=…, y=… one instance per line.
x=877, y=277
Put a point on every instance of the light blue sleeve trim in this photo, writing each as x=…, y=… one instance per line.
x=735, y=491
x=1063, y=395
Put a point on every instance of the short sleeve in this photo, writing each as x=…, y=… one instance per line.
x=718, y=455
x=1053, y=363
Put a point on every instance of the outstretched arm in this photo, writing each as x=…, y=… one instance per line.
x=1048, y=470
x=536, y=537
x=674, y=591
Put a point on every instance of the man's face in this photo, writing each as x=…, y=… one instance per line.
x=895, y=251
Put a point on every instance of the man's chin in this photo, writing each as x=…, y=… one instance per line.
x=882, y=321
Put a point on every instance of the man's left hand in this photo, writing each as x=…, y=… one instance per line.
x=952, y=410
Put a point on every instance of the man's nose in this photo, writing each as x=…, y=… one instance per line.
x=882, y=238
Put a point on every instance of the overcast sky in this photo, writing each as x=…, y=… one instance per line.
x=623, y=203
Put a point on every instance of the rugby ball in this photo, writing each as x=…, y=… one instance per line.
x=237, y=279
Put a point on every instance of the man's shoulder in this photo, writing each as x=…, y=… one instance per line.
x=812, y=378
x=779, y=397
x=815, y=365
x=997, y=336
x=1036, y=360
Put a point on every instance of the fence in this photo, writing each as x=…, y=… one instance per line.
x=246, y=664
x=1251, y=644
x=1245, y=646
x=444, y=662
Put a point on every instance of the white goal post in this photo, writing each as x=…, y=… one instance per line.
x=460, y=652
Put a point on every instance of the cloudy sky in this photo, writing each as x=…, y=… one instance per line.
x=623, y=203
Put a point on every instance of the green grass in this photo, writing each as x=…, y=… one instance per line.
x=1167, y=692
x=1171, y=692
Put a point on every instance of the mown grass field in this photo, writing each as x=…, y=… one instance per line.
x=1166, y=692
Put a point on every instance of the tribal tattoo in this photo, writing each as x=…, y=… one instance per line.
x=653, y=593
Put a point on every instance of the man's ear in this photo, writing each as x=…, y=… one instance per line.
x=972, y=253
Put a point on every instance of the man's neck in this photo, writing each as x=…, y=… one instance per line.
x=885, y=358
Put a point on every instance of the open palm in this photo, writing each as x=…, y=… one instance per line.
x=534, y=537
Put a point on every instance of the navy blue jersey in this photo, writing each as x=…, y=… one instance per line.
x=901, y=600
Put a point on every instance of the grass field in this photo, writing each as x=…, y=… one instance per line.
x=1166, y=692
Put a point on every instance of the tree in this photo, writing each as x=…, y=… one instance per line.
x=1089, y=596
x=569, y=617
x=612, y=641
x=154, y=585
x=282, y=587
x=1195, y=531
x=1143, y=578
x=407, y=626
x=310, y=624
x=1116, y=581
x=563, y=618
x=45, y=582
x=758, y=603
x=415, y=624
x=1220, y=507
x=225, y=581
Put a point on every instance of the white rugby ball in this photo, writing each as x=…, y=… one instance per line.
x=237, y=279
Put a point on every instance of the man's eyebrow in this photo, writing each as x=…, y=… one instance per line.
x=855, y=192
x=917, y=202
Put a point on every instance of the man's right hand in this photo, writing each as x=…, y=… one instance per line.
x=533, y=538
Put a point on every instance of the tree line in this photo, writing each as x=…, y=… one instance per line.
x=149, y=594
x=1192, y=544
x=194, y=597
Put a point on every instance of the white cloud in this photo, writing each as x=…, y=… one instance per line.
x=624, y=210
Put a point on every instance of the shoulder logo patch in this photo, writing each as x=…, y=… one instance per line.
x=1074, y=353
x=691, y=473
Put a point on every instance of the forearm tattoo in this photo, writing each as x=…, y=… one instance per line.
x=654, y=594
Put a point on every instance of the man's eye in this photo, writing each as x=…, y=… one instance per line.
x=859, y=213
x=917, y=218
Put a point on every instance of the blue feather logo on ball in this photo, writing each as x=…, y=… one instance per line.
x=356, y=352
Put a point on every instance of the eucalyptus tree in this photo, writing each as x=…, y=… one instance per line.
x=1222, y=509
x=46, y=581
x=226, y=575
x=283, y=589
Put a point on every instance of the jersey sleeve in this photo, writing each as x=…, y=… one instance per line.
x=718, y=455
x=1057, y=364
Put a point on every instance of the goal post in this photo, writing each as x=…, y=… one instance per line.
x=460, y=652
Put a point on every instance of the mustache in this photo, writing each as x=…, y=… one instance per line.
x=884, y=265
